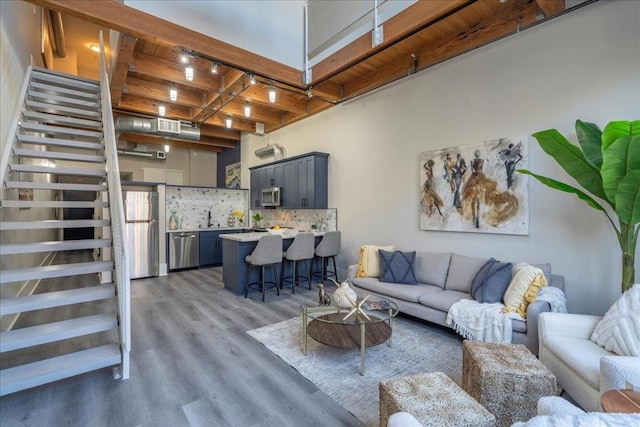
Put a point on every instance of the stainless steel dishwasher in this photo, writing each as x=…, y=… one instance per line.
x=184, y=250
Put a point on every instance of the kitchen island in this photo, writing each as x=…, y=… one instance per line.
x=235, y=247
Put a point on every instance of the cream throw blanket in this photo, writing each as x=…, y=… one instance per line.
x=486, y=322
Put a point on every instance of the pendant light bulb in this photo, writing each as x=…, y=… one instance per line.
x=252, y=79
x=173, y=94
x=247, y=110
x=161, y=110
x=166, y=147
x=188, y=73
x=272, y=94
x=184, y=58
x=214, y=68
x=228, y=122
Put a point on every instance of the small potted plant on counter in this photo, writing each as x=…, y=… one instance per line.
x=257, y=218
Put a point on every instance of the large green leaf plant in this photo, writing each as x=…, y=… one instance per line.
x=606, y=165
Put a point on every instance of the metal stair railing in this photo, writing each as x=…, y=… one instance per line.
x=11, y=136
x=116, y=212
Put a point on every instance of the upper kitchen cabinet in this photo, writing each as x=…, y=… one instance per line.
x=303, y=180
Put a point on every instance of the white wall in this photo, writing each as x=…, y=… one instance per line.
x=267, y=28
x=583, y=65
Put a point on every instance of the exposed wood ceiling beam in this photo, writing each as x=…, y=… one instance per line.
x=171, y=71
x=236, y=109
x=218, y=132
x=126, y=46
x=404, y=23
x=117, y=16
x=152, y=139
x=286, y=101
x=522, y=14
x=551, y=7
x=315, y=107
x=160, y=92
x=150, y=107
x=234, y=83
x=238, y=124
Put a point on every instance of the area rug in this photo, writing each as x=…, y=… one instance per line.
x=417, y=348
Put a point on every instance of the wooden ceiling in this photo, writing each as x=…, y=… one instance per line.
x=150, y=49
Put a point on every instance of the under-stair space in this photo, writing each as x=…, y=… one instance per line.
x=60, y=309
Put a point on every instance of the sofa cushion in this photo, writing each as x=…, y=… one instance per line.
x=397, y=267
x=369, y=260
x=518, y=325
x=431, y=268
x=442, y=300
x=619, y=329
x=462, y=270
x=523, y=289
x=491, y=281
x=404, y=292
x=582, y=356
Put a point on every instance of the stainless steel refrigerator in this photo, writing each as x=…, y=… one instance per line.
x=141, y=217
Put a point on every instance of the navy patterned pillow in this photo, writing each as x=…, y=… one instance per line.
x=397, y=267
x=491, y=281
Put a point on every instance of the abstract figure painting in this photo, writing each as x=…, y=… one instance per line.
x=476, y=188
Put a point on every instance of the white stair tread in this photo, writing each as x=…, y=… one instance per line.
x=63, y=245
x=51, y=204
x=57, y=368
x=66, y=120
x=53, y=223
x=47, y=97
x=56, y=299
x=56, y=186
x=46, y=87
x=57, y=270
x=56, y=155
x=43, y=140
x=56, y=331
x=62, y=109
x=46, y=74
x=59, y=171
x=59, y=130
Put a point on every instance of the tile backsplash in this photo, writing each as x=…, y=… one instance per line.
x=301, y=219
x=191, y=206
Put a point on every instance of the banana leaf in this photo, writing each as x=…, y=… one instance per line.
x=590, y=139
x=557, y=185
x=621, y=157
x=615, y=130
x=572, y=160
x=628, y=199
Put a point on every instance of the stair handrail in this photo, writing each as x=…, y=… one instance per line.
x=11, y=136
x=116, y=211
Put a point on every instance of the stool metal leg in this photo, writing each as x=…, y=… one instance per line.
x=246, y=289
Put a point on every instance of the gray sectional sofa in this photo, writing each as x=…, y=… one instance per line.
x=443, y=279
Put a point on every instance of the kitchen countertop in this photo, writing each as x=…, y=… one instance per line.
x=191, y=230
x=254, y=236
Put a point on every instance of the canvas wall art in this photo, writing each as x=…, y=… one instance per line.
x=476, y=188
x=232, y=177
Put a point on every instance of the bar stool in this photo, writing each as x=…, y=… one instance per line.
x=327, y=249
x=268, y=252
x=302, y=249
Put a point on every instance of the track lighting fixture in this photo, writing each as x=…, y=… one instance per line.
x=188, y=73
x=272, y=94
x=184, y=58
x=228, y=122
x=214, y=68
x=161, y=110
x=247, y=109
x=173, y=94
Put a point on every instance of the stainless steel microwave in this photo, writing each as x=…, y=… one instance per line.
x=271, y=196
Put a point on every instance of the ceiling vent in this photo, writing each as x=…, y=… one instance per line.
x=169, y=126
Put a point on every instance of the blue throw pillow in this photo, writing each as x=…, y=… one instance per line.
x=491, y=281
x=397, y=267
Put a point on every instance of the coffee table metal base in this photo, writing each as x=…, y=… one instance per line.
x=355, y=335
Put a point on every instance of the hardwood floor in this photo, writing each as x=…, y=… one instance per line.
x=192, y=364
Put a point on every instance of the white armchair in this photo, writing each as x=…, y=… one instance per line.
x=583, y=368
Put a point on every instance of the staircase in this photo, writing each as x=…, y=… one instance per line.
x=61, y=142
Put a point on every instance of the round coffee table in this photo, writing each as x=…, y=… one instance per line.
x=333, y=326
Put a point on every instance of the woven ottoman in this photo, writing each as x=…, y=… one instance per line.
x=433, y=399
x=507, y=379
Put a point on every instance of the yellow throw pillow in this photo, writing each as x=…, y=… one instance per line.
x=523, y=289
x=369, y=260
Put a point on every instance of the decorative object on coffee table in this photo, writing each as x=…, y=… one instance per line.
x=323, y=298
x=507, y=379
x=433, y=399
x=343, y=295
